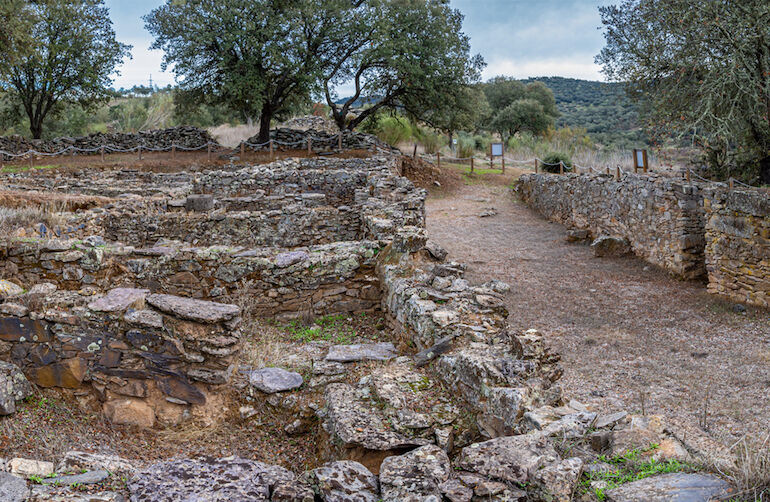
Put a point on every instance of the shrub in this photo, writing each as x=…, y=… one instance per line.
x=393, y=130
x=466, y=147
x=551, y=162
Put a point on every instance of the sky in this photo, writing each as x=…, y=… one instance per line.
x=517, y=38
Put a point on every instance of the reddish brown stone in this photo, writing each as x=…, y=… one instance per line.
x=179, y=388
x=13, y=329
x=68, y=374
x=110, y=359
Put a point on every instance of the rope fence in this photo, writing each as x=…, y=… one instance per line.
x=619, y=171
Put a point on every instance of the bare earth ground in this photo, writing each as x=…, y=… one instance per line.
x=631, y=336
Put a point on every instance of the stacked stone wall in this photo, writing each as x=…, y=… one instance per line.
x=662, y=218
x=152, y=356
x=738, y=244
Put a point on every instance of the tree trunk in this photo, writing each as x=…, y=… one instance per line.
x=451, y=142
x=764, y=170
x=36, y=126
x=264, y=124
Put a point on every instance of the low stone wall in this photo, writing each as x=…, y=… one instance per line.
x=187, y=137
x=662, y=218
x=320, y=280
x=150, y=357
x=462, y=329
x=738, y=244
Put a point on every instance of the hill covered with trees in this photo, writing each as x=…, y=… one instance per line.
x=602, y=108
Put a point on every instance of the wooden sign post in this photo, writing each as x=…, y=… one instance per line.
x=495, y=150
x=640, y=160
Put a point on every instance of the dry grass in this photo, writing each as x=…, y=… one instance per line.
x=231, y=136
x=49, y=201
x=751, y=473
x=11, y=219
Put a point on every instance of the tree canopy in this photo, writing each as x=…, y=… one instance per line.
x=409, y=55
x=700, y=70
x=256, y=56
x=515, y=106
x=57, y=51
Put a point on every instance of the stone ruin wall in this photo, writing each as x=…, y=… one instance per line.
x=662, y=218
x=738, y=244
x=690, y=229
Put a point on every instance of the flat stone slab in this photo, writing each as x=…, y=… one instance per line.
x=362, y=352
x=272, y=380
x=676, y=487
x=194, y=310
x=118, y=299
x=284, y=260
x=12, y=488
x=87, y=478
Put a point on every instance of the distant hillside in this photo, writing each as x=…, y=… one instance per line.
x=602, y=108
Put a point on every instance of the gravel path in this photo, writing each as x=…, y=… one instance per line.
x=630, y=335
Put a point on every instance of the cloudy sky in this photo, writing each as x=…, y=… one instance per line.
x=519, y=38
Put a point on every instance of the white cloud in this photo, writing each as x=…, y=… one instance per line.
x=567, y=67
x=145, y=62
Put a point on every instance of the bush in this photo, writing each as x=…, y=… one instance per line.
x=466, y=147
x=551, y=162
x=393, y=130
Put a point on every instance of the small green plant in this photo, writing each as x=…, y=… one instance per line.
x=551, y=162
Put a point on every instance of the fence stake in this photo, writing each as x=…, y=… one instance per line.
x=208, y=153
x=471, y=164
x=309, y=145
x=688, y=175
x=173, y=152
x=503, y=161
x=535, y=165
x=561, y=167
x=438, y=160
x=607, y=169
x=271, y=148
x=339, y=141
x=102, y=152
x=617, y=173
x=730, y=184
x=243, y=149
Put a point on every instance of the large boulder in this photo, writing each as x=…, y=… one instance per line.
x=14, y=386
x=344, y=481
x=416, y=476
x=681, y=487
x=12, y=488
x=272, y=380
x=512, y=459
x=216, y=480
x=607, y=246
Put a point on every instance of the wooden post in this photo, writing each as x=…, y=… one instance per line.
x=503, y=161
x=271, y=148
x=339, y=141
x=173, y=151
x=687, y=174
x=208, y=152
x=438, y=160
x=607, y=170
x=730, y=184
x=471, y=164
x=309, y=145
x=102, y=152
x=561, y=167
x=617, y=172
x=243, y=149
x=491, y=158
x=644, y=157
x=140, y=152
x=535, y=165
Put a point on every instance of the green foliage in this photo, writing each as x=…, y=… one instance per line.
x=257, y=57
x=628, y=468
x=393, y=129
x=466, y=146
x=551, y=162
x=67, y=56
x=699, y=73
x=333, y=328
x=409, y=55
x=516, y=107
x=602, y=108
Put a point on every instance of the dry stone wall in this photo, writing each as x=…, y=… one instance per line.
x=738, y=244
x=662, y=218
x=149, y=356
x=320, y=280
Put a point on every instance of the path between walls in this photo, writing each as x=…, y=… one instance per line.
x=630, y=335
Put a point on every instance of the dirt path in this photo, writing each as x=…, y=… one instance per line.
x=630, y=335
